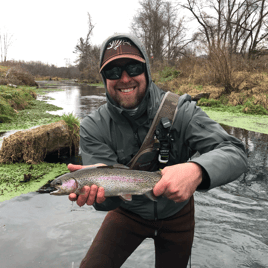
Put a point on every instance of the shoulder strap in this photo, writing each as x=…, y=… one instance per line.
x=168, y=109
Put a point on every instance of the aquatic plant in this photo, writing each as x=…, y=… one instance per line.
x=12, y=177
x=33, y=115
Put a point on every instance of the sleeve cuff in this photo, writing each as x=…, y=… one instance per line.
x=205, y=184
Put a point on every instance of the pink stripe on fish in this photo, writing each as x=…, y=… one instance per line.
x=118, y=178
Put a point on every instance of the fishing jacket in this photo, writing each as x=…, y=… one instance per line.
x=110, y=136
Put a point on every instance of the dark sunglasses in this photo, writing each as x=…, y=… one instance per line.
x=132, y=69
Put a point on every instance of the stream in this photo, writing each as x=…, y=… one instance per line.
x=41, y=230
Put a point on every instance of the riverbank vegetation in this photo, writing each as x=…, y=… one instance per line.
x=19, y=109
x=21, y=178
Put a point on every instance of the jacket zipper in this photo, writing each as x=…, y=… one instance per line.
x=155, y=216
x=137, y=138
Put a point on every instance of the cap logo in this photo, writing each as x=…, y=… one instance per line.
x=116, y=43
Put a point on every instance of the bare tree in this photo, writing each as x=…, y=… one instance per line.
x=160, y=29
x=88, y=55
x=83, y=47
x=238, y=25
x=175, y=42
x=5, y=42
x=148, y=25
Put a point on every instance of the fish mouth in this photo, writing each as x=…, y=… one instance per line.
x=64, y=187
x=57, y=192
x=56, y=185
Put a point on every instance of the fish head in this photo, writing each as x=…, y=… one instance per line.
x=64, y=187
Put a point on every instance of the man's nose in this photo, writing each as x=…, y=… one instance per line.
x=125, y=78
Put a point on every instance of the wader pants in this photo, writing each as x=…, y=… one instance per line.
x=123, y=231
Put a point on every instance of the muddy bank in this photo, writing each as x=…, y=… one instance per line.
x=32, y=146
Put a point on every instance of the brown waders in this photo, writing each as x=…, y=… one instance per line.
x=123, y=231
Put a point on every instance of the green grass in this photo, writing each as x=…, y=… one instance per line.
x=34, y=115
x=97, y=85
x=222, y=106
x=71, y=120
x=168, y=74
x=11, y=176
x=11, y=99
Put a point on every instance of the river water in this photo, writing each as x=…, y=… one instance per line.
x=39, y=230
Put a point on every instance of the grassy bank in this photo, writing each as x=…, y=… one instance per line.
x=247, y=89
x=12, y=177
x=29, y=112
x=20, y=109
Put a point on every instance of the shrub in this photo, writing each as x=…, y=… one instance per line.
x=168, y=73
x=209, y=102
x=18, y=76
x=250, y=108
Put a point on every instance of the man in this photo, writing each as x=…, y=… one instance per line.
x=114, y=133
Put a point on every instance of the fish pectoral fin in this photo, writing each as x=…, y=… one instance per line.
x=126, y=197
x=151, y=195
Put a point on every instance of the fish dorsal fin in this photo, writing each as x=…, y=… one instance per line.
x=120, y=166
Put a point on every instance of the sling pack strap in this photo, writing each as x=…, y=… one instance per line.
x=168, y=109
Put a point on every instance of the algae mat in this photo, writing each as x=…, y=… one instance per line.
x=11, y=176
x=256, y=123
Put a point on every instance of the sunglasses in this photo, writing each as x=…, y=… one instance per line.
x=132, y=69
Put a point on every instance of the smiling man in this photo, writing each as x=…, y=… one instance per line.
x=114, y=133
x=128, y=91
x=124, y=69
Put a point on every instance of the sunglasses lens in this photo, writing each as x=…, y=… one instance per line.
x=133, y=69
x=113, y=73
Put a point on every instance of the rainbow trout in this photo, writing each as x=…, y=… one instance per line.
x=117, y=180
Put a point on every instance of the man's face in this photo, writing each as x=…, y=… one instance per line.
x=127, y=91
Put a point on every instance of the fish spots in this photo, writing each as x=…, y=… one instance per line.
x=120, y=179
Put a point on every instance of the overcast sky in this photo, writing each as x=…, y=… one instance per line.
x=48, y=31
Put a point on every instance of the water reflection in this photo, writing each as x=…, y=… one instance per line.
x=77, y=99
x=231, y=220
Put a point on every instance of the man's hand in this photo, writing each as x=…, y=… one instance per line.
x=88, y=194
x=179, y=182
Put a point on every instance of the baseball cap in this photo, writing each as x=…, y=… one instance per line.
x=121, y=48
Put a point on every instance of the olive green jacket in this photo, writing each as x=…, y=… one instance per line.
x=108, y=135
